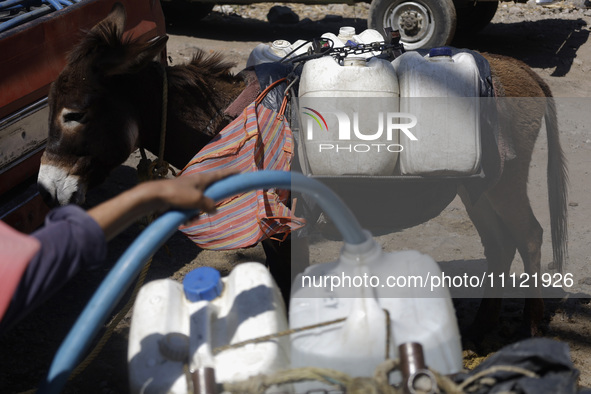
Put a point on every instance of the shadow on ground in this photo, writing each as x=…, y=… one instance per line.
x=549, y=43
x=236, y=28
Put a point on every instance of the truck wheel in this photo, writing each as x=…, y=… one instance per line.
x=474, y=17
x=422, y=23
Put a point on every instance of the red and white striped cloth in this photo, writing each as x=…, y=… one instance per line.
x=259, y=139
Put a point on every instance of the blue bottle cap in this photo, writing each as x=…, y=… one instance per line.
x=440, y=51
x=203, y=283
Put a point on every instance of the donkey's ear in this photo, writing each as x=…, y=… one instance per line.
x=104, y=35
x=137, y=55
x=113, y=23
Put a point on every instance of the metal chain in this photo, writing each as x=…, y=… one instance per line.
x=392, y=50
x=360, y=49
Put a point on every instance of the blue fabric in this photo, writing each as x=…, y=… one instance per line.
x=71, y=241
x=267, y=73
x=549, y=359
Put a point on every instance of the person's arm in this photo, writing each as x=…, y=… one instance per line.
x=74, y=240
x=116, y=214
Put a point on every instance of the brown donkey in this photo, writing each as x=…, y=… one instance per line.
x=108, y=101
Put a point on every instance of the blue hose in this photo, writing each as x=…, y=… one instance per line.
x=17, y=20
x=35, y=9
x=55, y=4
x=12, y=3
x=154, y=236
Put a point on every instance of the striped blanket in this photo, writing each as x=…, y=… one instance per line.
x=258, y=139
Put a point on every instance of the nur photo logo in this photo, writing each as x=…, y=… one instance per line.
x=352, y=131
x=316, y=116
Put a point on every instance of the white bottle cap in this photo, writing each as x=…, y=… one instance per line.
x=354, y=61
x=346, y=32
x=280, y=47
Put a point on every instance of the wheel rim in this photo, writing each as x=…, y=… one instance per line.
x=414, y=22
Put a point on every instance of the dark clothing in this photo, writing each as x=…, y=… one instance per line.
x=70, y=241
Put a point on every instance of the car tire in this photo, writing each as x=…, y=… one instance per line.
x=421, y=23
x=474, y=17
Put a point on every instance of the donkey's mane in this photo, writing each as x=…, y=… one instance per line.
x=104, y=34
x=201, y=70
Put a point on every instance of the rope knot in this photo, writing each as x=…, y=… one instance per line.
x=153, y=169
x=159, y=169
x=143, y=169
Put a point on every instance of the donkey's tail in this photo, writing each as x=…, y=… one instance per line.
x=557, y=185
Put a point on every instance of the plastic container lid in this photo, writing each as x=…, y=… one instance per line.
x=440, y=51
x=280, y=47
x=174, y=346
x=281, y=44
x=346, y=32
x=354, y=61
x=202, y=284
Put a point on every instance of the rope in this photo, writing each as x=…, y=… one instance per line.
x=382, y=372
x=378, y=384
x=163, y=118
x=259, y=384
x=109, y=330
x=152, y=169
x=264, y=338
x=113, y=324
x=495, y=369
x=388, y=333
x=147, y=170
x=445, y=384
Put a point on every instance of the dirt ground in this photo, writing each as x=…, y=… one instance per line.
x=557, y=46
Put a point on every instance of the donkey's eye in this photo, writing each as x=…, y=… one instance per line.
x=74, y=117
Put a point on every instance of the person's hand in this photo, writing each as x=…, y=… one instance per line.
x=186, y=192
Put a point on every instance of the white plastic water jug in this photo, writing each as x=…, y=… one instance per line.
x=346, y=117
x=278, y=49
x=171, y=334
x=264, y=53
x=360, y=286
x=442, y=91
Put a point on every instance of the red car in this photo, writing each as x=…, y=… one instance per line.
x=33, y=54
